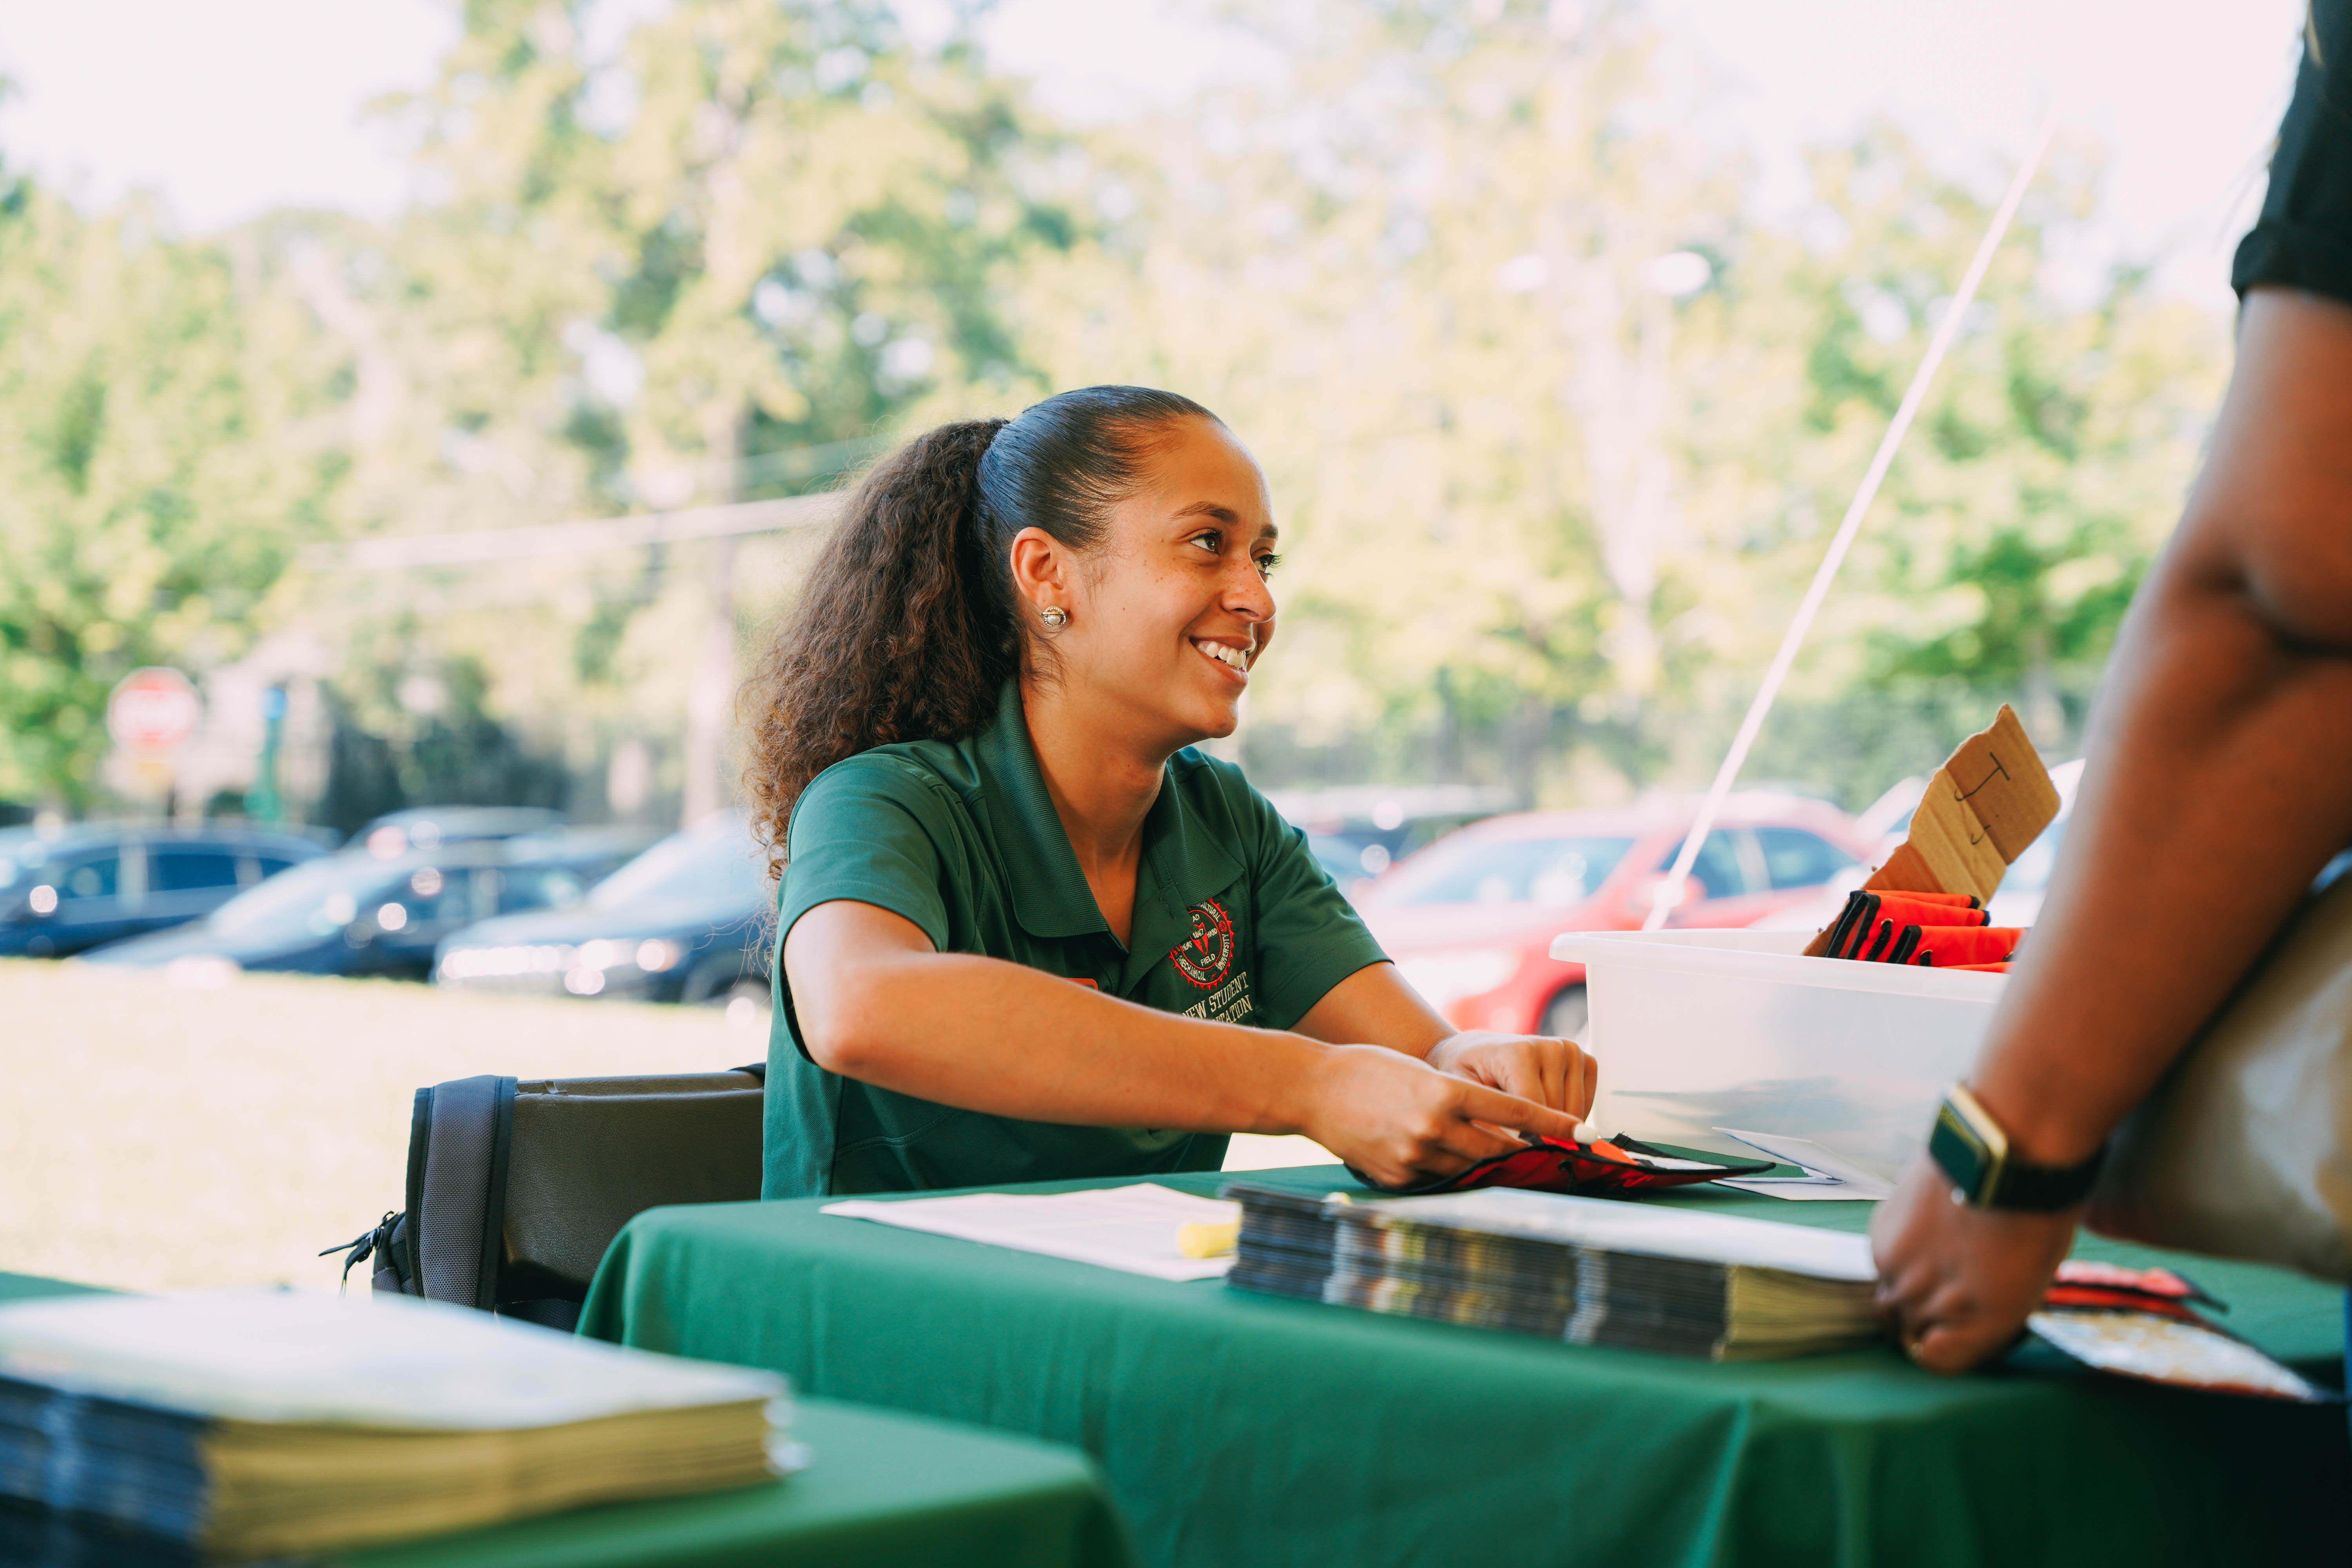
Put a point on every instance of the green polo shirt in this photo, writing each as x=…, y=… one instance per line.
x=1233, y=921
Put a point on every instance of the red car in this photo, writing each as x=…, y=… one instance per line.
x=1470, y=919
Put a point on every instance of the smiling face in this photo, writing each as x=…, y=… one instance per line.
x=1168, y=616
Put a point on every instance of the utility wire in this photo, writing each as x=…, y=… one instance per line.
x=1669, y=891
x=483, y=546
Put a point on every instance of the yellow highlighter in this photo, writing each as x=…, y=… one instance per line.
x=1208, y=1240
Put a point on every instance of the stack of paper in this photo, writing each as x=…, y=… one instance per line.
x=246, y=1425
x=1133, y=1228
x=1587, y=1270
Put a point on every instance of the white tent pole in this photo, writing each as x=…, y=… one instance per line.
x=1668, y=892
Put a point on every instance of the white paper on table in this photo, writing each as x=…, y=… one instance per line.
x=1130, y=1227
x=1826, y=1176
x=1791, y=1188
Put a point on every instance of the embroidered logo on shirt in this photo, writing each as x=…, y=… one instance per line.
x=1228, y=1003
x=1209, y=955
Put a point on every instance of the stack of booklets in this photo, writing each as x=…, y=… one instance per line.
x=230, y=1428
x=1588, y=1270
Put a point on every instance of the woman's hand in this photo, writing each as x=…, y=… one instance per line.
x=1400, y=1121
x=1955, y=1283
x=1557, y=1073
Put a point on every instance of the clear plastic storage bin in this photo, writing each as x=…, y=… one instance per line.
x=1699, y=1029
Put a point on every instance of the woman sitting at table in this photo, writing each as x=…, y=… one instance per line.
x=1025, y=931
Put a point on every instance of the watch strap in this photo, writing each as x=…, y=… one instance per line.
x=2045, y=1189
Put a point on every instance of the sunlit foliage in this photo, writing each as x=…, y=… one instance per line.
x=1558, y=419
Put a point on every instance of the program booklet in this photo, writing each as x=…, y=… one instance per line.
x=258, y=1424
x=1585, y=1270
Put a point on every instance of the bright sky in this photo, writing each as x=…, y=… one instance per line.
x=231, y=107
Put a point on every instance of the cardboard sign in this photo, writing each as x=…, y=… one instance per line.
x=1984, y=805
x=2000, y=776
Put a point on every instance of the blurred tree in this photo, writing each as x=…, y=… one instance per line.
x=2045, y=472
x=1422, y=276
x=707, y=261
x=1556, y=422
x=1554, y=419
x=445, y=750
x=158, y=461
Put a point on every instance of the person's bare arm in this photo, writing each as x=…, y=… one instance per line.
x=1375, y=1004
x=876, y=1002
x=2219, y=782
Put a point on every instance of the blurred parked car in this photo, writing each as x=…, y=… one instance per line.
x=67, y=890
x=424, y=826
x=1470, y=920
x=359, y=913
x=1356, y=833
x=1342, y=861
x=685, y=921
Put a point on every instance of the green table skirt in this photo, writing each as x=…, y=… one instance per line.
x=1237, y=1428
x=884, y=1490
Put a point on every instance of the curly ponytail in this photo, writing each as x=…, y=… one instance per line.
x=908, y=628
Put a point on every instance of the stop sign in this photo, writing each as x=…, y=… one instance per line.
x=152, y=710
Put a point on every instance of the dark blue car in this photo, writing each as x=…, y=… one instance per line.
x=685, y=921
x=67, y=891
x=358, y=913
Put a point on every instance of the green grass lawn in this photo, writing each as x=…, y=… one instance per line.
x=154, y=1136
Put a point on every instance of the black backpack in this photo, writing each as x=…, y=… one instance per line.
x=517, y=1188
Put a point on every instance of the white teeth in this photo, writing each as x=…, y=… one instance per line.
x=1225, y=654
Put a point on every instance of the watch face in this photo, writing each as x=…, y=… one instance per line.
x=1962, y=1152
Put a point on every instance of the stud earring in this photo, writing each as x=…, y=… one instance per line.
x=1054, y=615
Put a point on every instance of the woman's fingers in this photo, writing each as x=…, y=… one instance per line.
x=1467, y=1143
x=1398, y=1120
x=1479, y=1103
x=1537, y=1067
x=1557, y=1058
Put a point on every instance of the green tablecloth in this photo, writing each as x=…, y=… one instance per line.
x=884, y=1490
x=1241, y=1429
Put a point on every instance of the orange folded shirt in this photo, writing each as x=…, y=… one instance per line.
x=1955, y=947
x=1937, y=946
x=1873, y=921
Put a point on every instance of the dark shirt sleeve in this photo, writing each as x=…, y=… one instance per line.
x=1310, y=937
x=2303, y=239
x=871, y=830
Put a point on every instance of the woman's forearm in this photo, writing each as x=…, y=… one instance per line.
x=1375, y=1006
x=2220, y=772
x=876, y=1004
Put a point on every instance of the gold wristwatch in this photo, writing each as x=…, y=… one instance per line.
x=1974, y=1152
